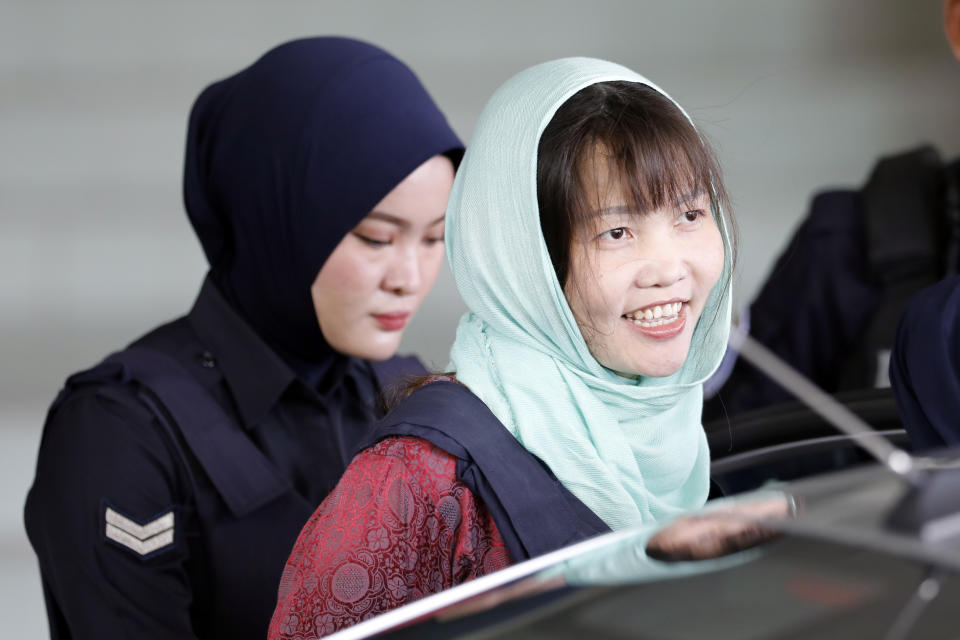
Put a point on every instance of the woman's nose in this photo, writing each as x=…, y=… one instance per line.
x=403, y=273
x=659, y=264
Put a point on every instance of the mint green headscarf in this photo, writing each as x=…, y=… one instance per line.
x=632, y=451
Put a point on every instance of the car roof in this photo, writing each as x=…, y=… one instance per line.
x=837, y=564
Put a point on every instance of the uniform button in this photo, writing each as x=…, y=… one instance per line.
x=207, y=360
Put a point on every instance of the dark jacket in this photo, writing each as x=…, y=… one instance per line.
x=832, y=302
x=174, y=477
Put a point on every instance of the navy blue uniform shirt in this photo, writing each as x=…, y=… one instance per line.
x=137, y=527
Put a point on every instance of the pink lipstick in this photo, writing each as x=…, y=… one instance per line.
x=392, y=321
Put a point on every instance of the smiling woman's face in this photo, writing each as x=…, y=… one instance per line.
x=373, y=282
x=639, y=281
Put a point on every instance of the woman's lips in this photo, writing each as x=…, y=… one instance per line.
x=392, y=321
x=664, y=331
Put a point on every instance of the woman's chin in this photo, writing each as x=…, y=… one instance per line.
x=378, y=353
x=648, y=367
x=375, y=346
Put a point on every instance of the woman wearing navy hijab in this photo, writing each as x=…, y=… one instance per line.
x=173, y=477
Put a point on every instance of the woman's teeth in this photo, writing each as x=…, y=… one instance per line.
x=655, y=316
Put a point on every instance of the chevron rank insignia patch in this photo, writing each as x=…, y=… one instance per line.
x=145, y=539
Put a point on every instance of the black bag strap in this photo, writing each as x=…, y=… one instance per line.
x=904, y=218
x=902, y=213
x=241, y=473
x=534, y=512
x=952, y=205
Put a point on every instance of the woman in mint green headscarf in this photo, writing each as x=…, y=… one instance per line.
x=585, y=232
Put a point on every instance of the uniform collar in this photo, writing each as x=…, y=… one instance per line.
x=254, y=373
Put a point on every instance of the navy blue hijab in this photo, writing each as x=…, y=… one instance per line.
x=284, y=158
x=925, y=366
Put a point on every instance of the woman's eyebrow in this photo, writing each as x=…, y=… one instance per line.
x=400, y=222
x=615, y=209
x=691, y=196
x=619, y=209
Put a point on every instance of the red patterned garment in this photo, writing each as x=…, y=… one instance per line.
x=398, y=526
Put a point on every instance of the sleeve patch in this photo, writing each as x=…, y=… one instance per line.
x=145, y=539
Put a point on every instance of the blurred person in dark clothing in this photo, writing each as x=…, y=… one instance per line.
x=833, y=300
x=925, y=367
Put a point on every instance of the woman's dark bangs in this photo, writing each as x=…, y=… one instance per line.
x=663, y=159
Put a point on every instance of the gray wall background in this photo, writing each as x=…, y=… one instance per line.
x=95, y=248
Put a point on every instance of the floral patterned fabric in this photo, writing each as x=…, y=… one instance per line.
x=397, y=527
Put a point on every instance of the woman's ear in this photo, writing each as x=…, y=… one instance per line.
x=951, y=18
